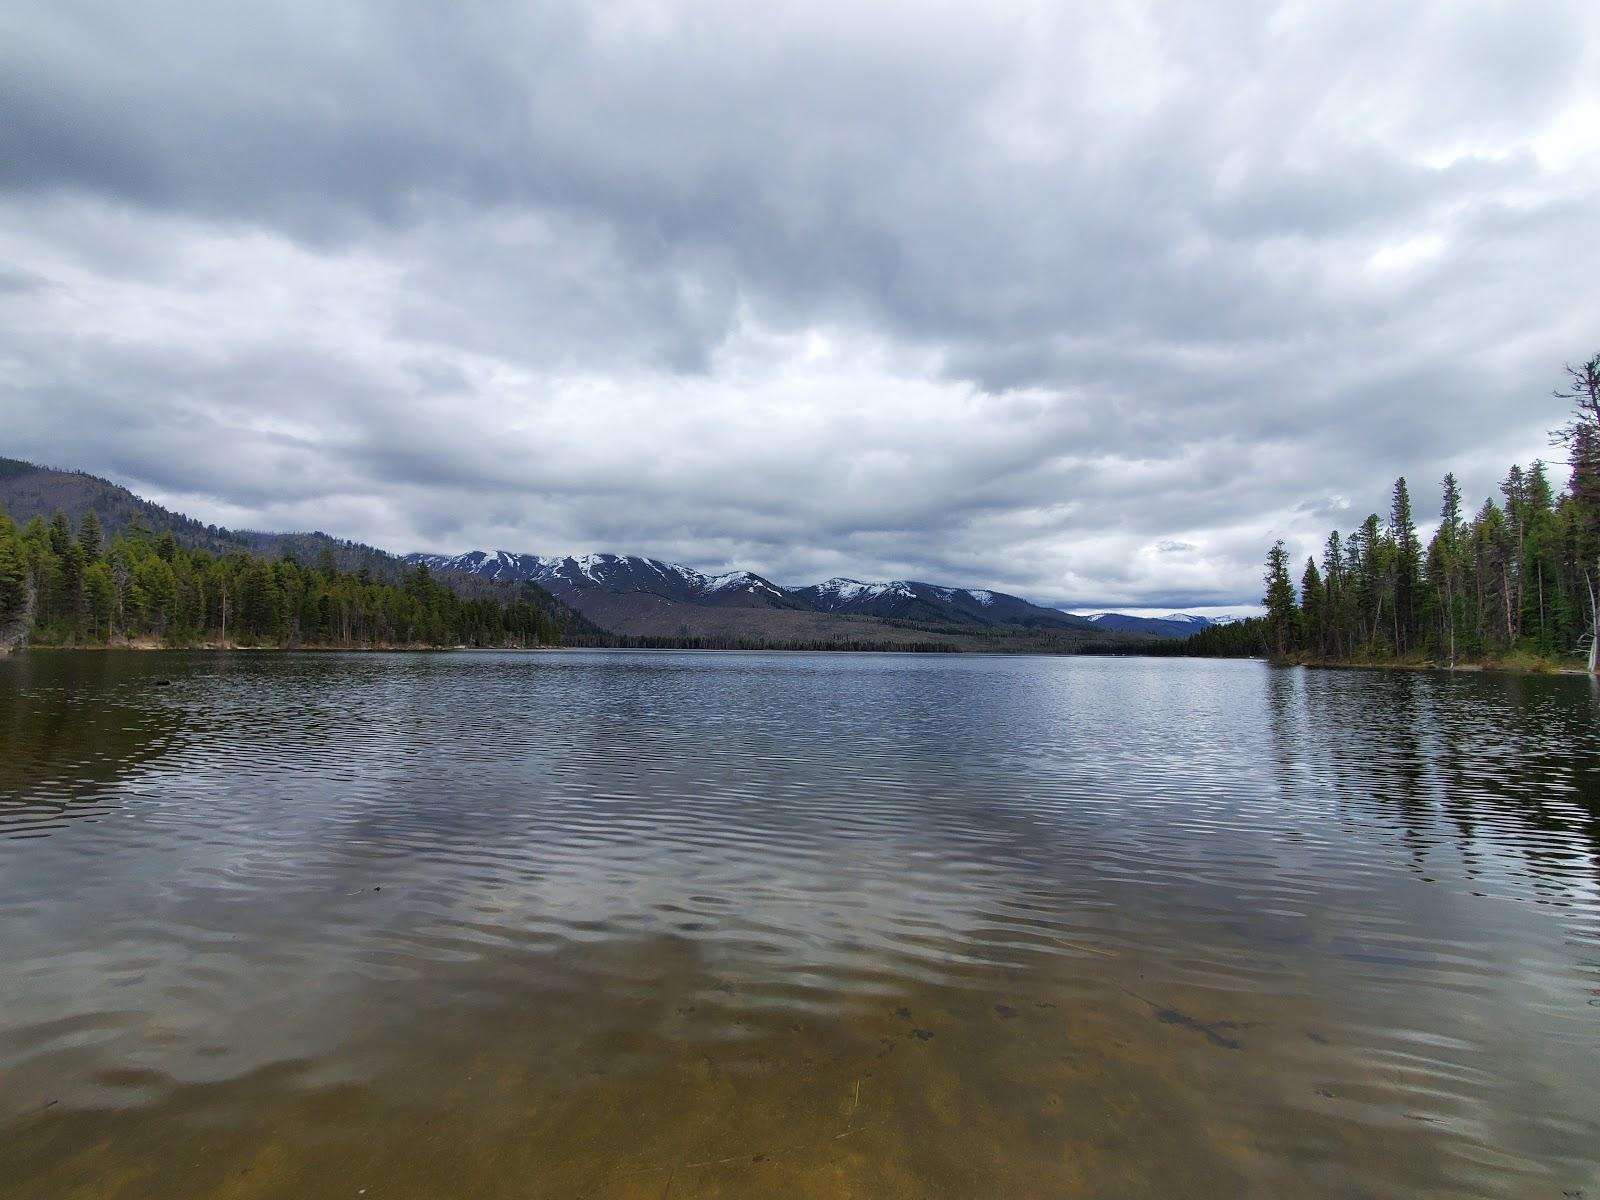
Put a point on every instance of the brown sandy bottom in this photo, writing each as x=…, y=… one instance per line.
x=684, y=1085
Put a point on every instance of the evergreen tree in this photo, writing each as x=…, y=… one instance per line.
x=100, y=596
x=1522, y=577
x=90, y=537
x=1313, y=611
x=1540, y=568
x=1373, y=582
x=1407, y=583
x=82, y=589
x=1334, y=596
x=60, y=533
x=13, y=573
x=1279, y=599
x=1444, y=571
x=1515, y=490
x=153, y=593
x=1581, y=436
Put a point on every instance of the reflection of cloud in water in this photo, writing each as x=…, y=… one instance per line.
x=609, y=880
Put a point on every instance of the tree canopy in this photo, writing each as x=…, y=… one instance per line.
x=1519, y=577
x=65, y=586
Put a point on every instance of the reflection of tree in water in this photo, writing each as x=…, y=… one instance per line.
x=1328, y=739
x=74, y=727
x=1525, y=749
x=1511, y=762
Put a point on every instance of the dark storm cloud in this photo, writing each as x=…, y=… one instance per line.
x=1088, y=303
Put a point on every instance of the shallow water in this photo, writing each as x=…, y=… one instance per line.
x=675, y=925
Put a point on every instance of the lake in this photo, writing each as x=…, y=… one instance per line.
x=573, y=924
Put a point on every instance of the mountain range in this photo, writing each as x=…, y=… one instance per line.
x=28, y=490
x=647, y=600
x=1173, y=625
x=644, y=596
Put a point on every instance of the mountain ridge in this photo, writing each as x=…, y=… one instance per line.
x=591, y=582
x=598, y=582
x=1173, y=625
x=615, y=599
x=29, y=490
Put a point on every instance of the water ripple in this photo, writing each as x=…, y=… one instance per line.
x=1202, y=924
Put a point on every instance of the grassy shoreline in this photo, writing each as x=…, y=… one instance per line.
x=1515, y=664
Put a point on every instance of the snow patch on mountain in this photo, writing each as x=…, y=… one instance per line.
x=739, y=581
x=575, y=577
x=853, y=589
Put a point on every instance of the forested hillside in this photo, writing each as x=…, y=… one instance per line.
x=33, y=493
x=61, y=585
x=28, y=490
x=1518, y=578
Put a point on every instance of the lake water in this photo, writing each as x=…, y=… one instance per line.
x=691, y=925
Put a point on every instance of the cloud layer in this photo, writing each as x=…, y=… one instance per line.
x=1085, y=302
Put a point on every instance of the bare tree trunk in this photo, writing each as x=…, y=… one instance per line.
x=1478, y=624
x=1522, y=562
x=1594, y=624
x=1505, y=602
x=1541, y=604
x=1450, y=614
x=15, y=631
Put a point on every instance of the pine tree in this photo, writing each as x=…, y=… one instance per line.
x=154, y=595
x=90, y=537
x=1313, y=612
x=1373, y=580
x=60, y=533
x=1445, y=564
x=1515, y=490
x=100, y=595
x=1334, y=603
x=13, y=574
x=1517, y=578
x=1279, y=600
x=147, y=585
x=1407, y=567
x=1540, y=568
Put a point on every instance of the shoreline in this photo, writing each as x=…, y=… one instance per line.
x=144, y=646
x=1502, y=668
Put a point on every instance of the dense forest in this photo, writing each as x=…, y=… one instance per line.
x=1244, y=638
x=73, y=587
x=1514, y=581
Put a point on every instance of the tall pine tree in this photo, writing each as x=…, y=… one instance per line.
x=1279, y=600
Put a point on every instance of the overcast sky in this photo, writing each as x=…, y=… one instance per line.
x=1086, y=302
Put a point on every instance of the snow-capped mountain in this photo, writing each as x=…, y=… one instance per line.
x=908, y=600
x=1173, y=625
x=622, y=573
x=592, y=583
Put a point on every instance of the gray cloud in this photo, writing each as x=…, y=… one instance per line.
x=1085, y=304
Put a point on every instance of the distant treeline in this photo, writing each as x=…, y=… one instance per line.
x=1518, y=578
x=70, y=587
x=1246, y=638
x=688, y=641
x=885, y=634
